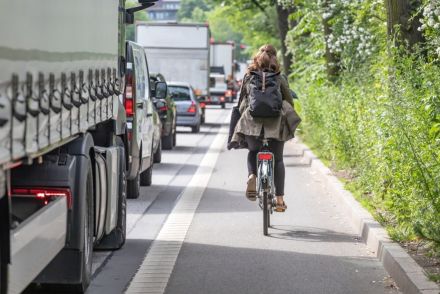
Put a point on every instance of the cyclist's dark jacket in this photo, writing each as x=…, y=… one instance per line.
x=278, y=128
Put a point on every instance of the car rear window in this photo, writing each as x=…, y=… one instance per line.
x=179, y=93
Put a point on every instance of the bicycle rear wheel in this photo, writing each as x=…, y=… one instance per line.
x=266, y=214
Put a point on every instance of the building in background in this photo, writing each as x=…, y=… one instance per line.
x=164, y=10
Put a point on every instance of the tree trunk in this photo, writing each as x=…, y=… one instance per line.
x=332, y=59
x=283, y=27
x=402, y=24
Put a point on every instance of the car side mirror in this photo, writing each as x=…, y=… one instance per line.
x=161, y=89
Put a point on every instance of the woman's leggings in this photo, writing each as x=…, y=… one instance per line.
x=276, y=147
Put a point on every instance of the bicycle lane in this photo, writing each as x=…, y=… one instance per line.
x=312, y=247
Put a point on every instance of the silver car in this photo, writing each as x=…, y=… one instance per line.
x=189, y=112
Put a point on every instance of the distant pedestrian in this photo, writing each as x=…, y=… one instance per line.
x=276, y=123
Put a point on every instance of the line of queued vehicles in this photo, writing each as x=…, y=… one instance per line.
x=154, y=108
x=82, y=121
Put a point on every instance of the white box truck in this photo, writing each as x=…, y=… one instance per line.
x=222, y=73
x=62, y=139
x=180, y=52
x=222, y=56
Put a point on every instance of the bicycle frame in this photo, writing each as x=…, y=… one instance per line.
x=265, y=184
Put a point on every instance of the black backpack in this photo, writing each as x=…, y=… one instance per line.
x=265, y=99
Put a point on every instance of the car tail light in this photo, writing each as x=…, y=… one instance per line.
x=228, y=93
x=45, y=194
x=222, y=99
x=129, y=96
x=265, y=156
x=192, y=108
x=163, y=108
x=202, y=104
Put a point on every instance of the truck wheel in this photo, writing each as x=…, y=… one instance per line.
x=168, y=142
x=116, y=239
x=87, y=252
x=158, y=154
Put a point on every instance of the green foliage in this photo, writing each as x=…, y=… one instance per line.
x=380, y=119
x=139, y=16
x=192, y=10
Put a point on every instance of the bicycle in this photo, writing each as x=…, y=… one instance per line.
x=266, y=184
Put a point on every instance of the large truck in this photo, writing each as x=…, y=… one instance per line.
x=62, y=139
x=180, y=52
x=222, y=58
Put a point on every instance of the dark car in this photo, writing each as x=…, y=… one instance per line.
x=189, y=111
x=167, y=112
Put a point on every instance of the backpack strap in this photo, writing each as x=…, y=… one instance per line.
x=241, y=90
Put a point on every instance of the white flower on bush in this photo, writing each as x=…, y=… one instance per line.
x=431, y=23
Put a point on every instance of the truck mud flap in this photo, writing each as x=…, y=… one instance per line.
x=35, y=242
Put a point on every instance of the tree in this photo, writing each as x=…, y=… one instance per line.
x=187, y=8
x=403, y=21
x=281, y=20
x=283, y=27
x=138, y=16
x=331, y=58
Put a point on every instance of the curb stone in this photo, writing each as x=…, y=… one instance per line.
x=405, y=271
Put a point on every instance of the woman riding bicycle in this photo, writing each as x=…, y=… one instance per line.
x=251, y=129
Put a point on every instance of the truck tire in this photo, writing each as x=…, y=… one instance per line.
x=168, y=142
x=158, y=154
x=4, y=242
x=87, y=251
x=116, y=239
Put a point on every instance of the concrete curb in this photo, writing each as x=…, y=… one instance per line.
x=408, y=275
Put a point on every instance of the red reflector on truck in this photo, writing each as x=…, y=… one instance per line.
x=128, y=104
x=45, y=194
x=265, y=156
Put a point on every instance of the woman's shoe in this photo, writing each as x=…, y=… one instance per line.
x=281, y=207
x=251, y=190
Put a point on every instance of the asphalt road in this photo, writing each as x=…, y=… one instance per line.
x=312, y=247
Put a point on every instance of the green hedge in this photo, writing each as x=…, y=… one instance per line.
x=383, y=126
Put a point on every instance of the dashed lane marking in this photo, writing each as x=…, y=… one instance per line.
x=155, y=270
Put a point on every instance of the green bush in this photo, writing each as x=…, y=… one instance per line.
x=383, y=125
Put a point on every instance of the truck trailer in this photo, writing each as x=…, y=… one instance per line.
x=180, y=52
x=62, y=139
x=222, y=56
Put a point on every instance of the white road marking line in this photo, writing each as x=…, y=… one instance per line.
x=155, y=271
